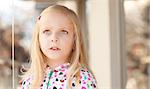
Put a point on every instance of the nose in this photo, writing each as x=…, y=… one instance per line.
x=54, y=38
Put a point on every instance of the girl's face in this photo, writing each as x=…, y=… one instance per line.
x=56, y=36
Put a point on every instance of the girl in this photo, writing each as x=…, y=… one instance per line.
x=58, y=59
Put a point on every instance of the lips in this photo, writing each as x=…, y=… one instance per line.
x=54, y=48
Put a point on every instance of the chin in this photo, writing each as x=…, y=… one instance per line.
x=54, y=57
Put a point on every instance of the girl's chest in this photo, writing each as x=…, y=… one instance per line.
x=54, y=80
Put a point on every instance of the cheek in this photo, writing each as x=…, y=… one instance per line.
x=67, y=43
x=43, y=42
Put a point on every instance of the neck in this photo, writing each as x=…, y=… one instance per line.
x=54, y=63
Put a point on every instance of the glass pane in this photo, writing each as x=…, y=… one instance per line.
x=5, y=45
x=24, y=19
x=137, y=14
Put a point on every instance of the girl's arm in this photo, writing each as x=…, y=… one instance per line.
x=88, y=81
x=26, y=83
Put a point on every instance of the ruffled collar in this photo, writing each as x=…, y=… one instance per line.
x=60, y=67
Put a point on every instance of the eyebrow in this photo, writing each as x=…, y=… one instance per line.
x=49, y=27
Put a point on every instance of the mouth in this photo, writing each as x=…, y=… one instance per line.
x=55, y=49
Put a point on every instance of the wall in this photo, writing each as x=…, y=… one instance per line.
x=99, y=39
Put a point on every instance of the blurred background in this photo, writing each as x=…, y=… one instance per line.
x=5, y=45
x=137, y=15
x=116, y=33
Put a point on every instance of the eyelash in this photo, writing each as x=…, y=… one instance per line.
x=48, y=31
x=65, y=31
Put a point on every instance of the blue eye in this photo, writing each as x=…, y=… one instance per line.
x=64, y=31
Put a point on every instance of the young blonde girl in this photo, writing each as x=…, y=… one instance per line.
x=58, y=59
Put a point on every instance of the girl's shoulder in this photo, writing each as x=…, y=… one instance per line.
x=25, y=82
x=88, y=80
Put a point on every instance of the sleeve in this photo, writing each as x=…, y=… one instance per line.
x=87, y=81
x=26, y=83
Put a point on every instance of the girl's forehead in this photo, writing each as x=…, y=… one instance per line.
x=54, y=19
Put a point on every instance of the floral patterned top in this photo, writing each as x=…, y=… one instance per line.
x=56, y=79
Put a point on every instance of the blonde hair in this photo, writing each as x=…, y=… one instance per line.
x=78, y=56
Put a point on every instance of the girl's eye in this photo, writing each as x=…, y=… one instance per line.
x=46, y=31
x=64, y=31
